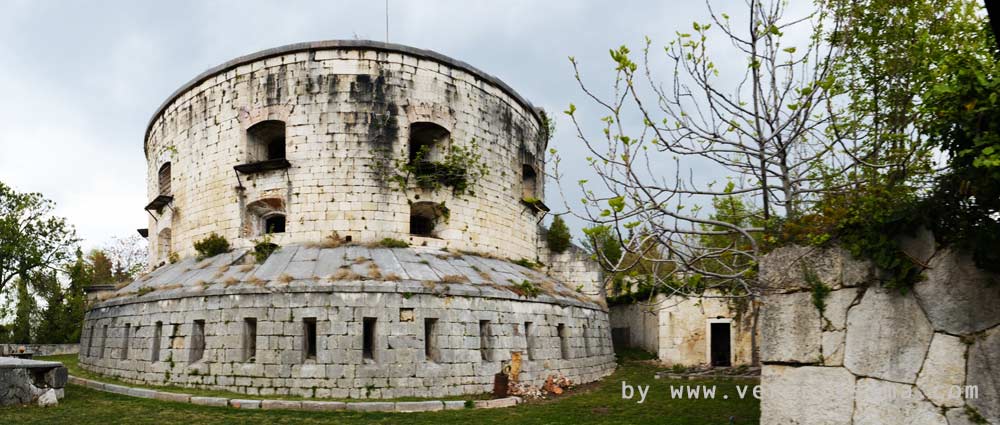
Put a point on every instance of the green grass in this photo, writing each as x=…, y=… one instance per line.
x=598, y=403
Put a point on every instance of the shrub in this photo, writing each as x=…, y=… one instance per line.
x=263, y=249
x=524, y=262
x=528, y=289
x=393, y=243
x=557, y=237
x=211, y=246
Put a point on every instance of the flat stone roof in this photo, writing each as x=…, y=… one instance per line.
x=16, y=363
x=348, y=268
x=339, y=45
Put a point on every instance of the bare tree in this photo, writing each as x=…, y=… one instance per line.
x=129, y=256
x=767, y=131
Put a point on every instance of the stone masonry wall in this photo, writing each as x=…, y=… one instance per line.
x=348, y=112
x=642, y=322
x=399, y=367
x=875, y=355
x=572, y=266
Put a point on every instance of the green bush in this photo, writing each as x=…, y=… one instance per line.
x=211, y=246
x=263, y=249
x=524, y=262
x=528, y=289
x=558, y=238
x=393, y=243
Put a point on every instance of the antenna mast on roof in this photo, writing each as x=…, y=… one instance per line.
x=386, y=21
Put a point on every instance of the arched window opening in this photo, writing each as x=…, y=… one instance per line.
x=163, y=245
x=529, y=182
x=274, y=223
x=425, y=140
x=164, y=179
x=266, y=140
x=424, y=218
x=265, y=216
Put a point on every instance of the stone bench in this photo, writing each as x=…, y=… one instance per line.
x=28, y=381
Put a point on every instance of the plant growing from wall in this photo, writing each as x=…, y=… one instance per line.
x=820, y=290
x=460, y=168
x=393, y=243
x=214, y=244
x=263, y=249
x=527, y=289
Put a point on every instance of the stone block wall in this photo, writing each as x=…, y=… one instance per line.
x=643, y=323
x=676, y=328
x=875, y=355
x=464, y=364
x=41, y=349
x=348, y=107
x=574, y=265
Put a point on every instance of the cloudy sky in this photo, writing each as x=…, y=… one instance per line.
x=79, y=80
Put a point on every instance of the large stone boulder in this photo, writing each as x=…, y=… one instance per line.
x=958, y=297
x=790, y=329
x=48, y=398
x=984, y=375
x=16, y=387
x=943, y=371
x=782, y=269
x=887, y=336
x=880, y=403
x=806, y=395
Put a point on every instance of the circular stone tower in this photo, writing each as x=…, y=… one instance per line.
x=381, y=205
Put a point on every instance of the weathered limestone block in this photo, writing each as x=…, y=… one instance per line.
x=806, y=395
x=16, y=387
x=837, y=303
x=881, y=402
x=280, y=404
x=56, y=377
x=782, y=269
x=958, y=416
x=920, y=246
x=943, y=370
x=48, y=398
x=790, y=329
x=958, y=297
x=887, y=336
x=210, y=401
x=833, y=348
x=984, y=374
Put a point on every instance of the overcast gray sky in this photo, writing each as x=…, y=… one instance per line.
x=79, y=80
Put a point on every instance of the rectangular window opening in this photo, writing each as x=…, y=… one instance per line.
x=484, y=339
x=563, y=341
x=368, y=338
x=309, y=338
x=529, y=340
x=197, y=341
x=104, y=340
x=128, y=330
x=157, y=334
x=430, y=339
x=249, y=339
x=90, y=342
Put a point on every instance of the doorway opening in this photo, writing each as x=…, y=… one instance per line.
x=719, y=346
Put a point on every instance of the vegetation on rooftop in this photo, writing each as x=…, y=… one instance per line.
x=212, y=245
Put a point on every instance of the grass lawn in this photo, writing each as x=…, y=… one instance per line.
x=593, y=403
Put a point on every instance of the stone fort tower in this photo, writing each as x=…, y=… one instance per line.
x=342, y=153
